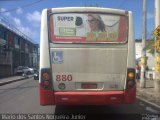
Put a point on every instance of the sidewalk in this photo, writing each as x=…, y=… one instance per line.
x=11, y=79
x=148, y=93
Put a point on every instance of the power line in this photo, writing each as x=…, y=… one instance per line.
x=23, y=6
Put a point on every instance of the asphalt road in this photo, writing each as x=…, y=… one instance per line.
x=22, y=97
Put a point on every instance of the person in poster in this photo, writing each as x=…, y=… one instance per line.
x=95, y=23
x=97, y=31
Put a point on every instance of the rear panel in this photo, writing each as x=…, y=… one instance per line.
x=85, y=64
x=78, y=63
x=100, y=68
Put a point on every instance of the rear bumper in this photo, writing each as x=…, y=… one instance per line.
x=87, y=98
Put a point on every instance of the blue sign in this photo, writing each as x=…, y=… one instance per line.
x=57, y=57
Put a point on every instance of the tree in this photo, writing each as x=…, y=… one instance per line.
x=150, y=46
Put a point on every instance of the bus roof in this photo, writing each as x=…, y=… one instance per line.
x=89, y=9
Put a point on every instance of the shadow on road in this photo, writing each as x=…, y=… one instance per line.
x=90, y=112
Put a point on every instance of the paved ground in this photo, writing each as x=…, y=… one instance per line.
x=22, y=98
x=147, y=93
x=12, y=79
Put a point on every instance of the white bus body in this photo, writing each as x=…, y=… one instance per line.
x=80, y=66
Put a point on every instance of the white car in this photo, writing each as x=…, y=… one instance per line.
x=25, y=70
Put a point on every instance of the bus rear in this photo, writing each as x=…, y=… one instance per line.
x=81, y=63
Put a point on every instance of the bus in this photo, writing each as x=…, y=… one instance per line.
x=87, y=56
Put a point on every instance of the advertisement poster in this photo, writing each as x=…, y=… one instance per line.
x=88, y=28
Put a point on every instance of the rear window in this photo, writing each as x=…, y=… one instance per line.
x=88, y=28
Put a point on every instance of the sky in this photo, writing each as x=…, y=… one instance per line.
x=26, y=14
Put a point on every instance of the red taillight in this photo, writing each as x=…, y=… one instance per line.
x=46, y=83
x=130, y=78
x=130, y=83
x=46, y=92
x=45, y=76
x=45, y=79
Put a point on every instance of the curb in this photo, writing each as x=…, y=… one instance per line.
x=148, y=102
x=11, y=81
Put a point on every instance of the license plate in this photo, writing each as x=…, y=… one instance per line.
x=89, y=86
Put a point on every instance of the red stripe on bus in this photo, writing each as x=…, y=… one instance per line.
x=122, y=29
x=46, y=96
x=92, y=98
x=51, y=30
x=130, y=95
x=49, y=97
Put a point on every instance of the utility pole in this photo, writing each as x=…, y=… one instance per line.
x=157, y=70
x=143, y=52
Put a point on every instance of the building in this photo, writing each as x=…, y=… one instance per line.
x=16, y=49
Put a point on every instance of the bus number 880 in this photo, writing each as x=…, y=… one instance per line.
x=64, y=77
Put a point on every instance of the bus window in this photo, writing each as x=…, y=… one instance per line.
x=88, y=28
